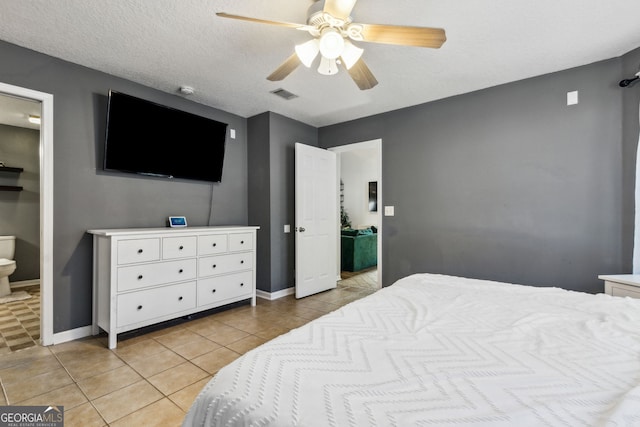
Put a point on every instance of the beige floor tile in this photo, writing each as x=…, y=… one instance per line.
x=177, y=378
x=292, y=322
x=149, y=366
x=246, y=324
x=23, y=356
x=204, y=326
x=68, y=396
x=86, y=364
x=36, y=385
x=184, y=398
x=139, y=349
x=177, y=338
x=84, y=415
x=196, y=347
x=86, y=344
x=217, y=359
x=125, y=401
x=272, y=332
x=246, y=344
x=225, y=334
x=108, y=382
x=30, y=368
x=163, y=413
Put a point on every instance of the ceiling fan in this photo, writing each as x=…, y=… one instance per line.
x=330, y=24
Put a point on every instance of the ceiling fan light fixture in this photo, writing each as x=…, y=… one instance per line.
x=328, y=67
x=307, y=52
x=331, y=43
x=351, y=54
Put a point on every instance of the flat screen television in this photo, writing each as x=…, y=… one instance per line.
x=146, y=138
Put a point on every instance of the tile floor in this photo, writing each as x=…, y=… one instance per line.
x=151, y=379
x=20, y=322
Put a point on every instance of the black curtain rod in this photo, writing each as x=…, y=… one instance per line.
x=629, y=82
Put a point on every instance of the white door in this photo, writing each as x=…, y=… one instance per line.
x=316, y=220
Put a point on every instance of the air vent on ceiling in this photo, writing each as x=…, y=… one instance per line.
x=284, y=94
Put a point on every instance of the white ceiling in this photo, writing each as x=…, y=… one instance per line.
x=168, y=43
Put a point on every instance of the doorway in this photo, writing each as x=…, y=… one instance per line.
x=360, y=201
x=45, y=162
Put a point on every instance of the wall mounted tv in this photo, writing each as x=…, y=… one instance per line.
x=151, y=139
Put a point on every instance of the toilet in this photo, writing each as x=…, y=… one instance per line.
x=7, y=264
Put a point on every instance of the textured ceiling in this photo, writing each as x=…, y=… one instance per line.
x=168, y=43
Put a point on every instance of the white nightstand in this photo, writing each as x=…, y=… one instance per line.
x=622, y=285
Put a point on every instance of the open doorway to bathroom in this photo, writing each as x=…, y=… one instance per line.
x=360, y=244
x=36, y=103
x=20, y=217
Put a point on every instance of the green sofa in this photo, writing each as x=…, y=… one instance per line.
x=358, y=249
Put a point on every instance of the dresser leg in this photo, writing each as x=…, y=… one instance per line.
x=113, y=340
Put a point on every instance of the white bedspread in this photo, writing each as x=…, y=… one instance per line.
x=435, y=350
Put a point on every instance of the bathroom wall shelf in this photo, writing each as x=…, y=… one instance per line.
x=10, y=188
x=10, y=169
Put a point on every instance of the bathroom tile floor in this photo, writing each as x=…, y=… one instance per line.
x=151, y=379
x=20, y=322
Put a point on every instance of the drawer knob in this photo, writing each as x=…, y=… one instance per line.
x=140, y=277
x=241, y=261
x=180, y=299
x=241, y=284
x=180, y=271
x=213, y=291
x=215, y=244
x=214, y=266
x=181, y=247
x=140, y=251
x=242, y=242
x=139, y=307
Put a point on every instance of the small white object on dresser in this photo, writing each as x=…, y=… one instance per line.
x=143, y=276
x=622, y=285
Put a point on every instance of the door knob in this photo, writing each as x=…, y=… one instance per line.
x=302, y=229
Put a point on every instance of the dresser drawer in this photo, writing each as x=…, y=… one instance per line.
x=221, y=264
x=179, y=247
x=221, y=288
x=143, y=275
x=138, y=250
x=620, y=290
x=240, y=242
x=141, y=306
x=212, y=244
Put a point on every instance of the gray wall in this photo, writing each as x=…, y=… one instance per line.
x=20, y=210
x=85, y=197
x=507, y=183
x=630, y=131
x=271, y=193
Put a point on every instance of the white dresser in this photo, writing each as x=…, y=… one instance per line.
x=148, y=275
x=622, y=285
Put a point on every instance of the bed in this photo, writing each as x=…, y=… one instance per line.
x=435, y=350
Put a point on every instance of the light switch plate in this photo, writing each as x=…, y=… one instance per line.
x=389, y=210
x=572, y=97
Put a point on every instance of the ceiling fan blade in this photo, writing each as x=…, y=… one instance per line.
x=403, y=35
x=362, y=75
x=265, y=21
x=285, y=68
x=340, y=9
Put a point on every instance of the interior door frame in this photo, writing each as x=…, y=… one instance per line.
x=377, y=145
x=46, y=204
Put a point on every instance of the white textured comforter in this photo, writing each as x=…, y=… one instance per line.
x=436, y=350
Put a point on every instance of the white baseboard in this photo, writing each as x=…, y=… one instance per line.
x=24, y=283
x=275, y=295
x=72, y=334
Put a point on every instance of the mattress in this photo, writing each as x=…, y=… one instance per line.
x=440, y=350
